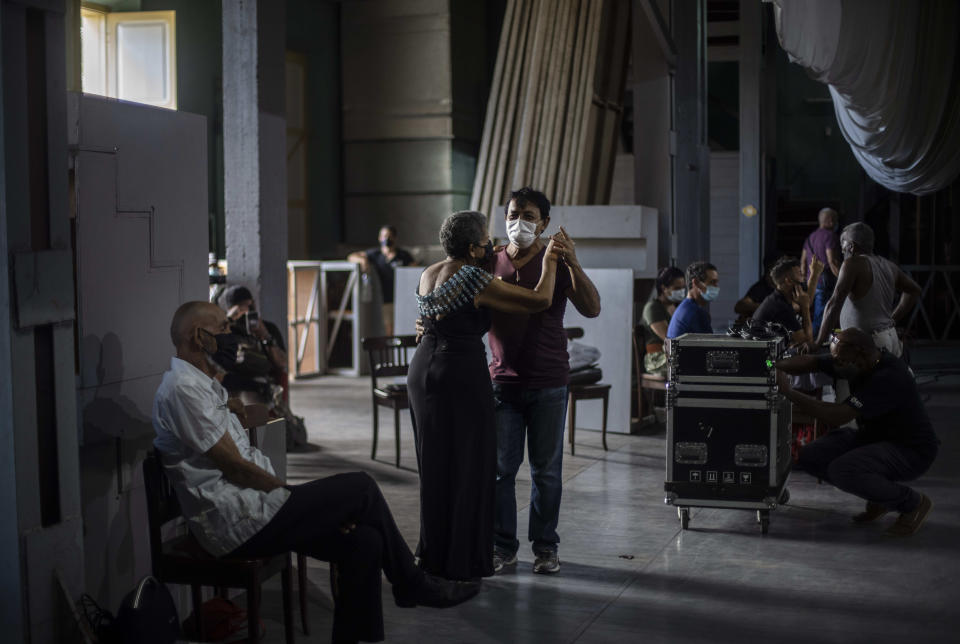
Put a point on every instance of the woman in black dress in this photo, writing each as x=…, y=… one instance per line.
x=451, y=398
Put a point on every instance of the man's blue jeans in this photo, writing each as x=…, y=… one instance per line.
x=539, y=414
x=820, y=299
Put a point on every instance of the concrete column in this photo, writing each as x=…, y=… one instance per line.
x=254, y=151
x=691, y=156
x=752, y=210
x=11, y=609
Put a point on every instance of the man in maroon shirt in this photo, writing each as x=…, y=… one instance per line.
x=529, y=369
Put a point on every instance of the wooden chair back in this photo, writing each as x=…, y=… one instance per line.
x=162, y=506
x=389, y=355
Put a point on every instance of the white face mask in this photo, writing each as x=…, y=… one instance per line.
x=677, y=295
x=521, y=233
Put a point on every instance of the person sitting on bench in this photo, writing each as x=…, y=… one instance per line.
x=895, y=441
x=236, y=506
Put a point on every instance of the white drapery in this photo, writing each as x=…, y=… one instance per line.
x=893, y=70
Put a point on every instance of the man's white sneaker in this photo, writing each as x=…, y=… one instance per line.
x=547, y=562
x=501, y=559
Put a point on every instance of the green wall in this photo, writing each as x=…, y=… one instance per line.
x=313, y=29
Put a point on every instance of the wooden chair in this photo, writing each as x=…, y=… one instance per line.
x=593, y=391
x=181, y=559
x=646, y=382
x=389, y=356
x=587, y=392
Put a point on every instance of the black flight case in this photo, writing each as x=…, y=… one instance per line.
x=728, y=427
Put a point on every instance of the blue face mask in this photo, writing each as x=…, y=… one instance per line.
x=712, y=293
x=677, y=295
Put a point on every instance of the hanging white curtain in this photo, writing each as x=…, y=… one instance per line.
x=893, y=70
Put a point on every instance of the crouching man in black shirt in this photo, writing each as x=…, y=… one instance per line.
x=895, y=441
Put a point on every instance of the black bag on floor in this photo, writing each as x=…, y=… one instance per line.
x=148, y=615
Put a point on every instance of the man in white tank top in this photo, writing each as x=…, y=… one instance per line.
x=866, y=290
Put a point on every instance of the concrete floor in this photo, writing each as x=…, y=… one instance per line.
x=630, y=574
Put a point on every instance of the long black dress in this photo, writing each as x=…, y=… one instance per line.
x=451, y=400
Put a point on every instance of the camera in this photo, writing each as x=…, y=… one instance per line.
x=251, y=320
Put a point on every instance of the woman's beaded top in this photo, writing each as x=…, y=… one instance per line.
x=455, y=293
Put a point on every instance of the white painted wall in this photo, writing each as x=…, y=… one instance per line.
x=610, y=332
x=141, y=252
x=606, y=236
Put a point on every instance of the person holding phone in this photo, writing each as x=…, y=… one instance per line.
x=242, y=312
x=263, y=371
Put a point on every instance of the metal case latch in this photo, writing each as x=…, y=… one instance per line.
x=690, y=453
x=747, y=455
x=723, y=362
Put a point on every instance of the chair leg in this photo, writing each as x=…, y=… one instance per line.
x=376, y=428
x=253, y=612
x=196, y=591
x=396, y=431
x=640, y=401
x=286, y=580
x=302, y=582
x=605, y=401
x=572, y=423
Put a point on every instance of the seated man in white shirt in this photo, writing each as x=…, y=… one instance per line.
x=235, y=505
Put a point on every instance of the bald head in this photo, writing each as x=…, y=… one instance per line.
x=828, y=218
x=856, y=338
x=188, y=317
x=854, y=353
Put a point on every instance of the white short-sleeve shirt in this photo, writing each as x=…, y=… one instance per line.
x=190, y=415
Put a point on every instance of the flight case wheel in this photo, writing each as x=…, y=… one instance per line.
x=684, y=514
x=763, y=518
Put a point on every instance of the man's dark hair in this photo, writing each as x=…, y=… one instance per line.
x=392, y=229
x=783, y=267
x=771, y=258
x=698, y=271
x=236, y=294
x=666, y=277
x=461, y=229
x=527, y=194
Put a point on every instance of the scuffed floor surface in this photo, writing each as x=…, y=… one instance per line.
x=630, y=574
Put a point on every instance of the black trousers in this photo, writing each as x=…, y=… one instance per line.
x=310, y=521
x=872, y=471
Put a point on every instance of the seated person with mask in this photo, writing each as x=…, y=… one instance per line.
x=780, y=305
x=691, y=316
x=235, y=505
x=668, y=291
x=895, y=440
